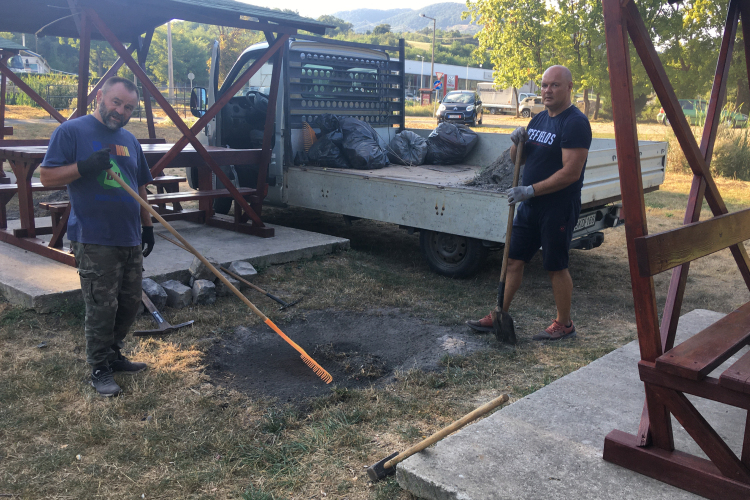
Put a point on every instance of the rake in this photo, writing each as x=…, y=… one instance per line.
x=319, y=371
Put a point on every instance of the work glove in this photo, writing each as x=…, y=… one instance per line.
x=519, y=134
x=147, y=240
x=519, y=194
x=97, y=162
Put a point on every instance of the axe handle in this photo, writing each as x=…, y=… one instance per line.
x=445, y=431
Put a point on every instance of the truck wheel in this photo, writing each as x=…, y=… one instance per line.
x=526, y=113
x=492, y=111
x=451, y=255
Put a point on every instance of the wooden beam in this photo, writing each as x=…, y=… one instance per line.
x=677, y=468
x=144, y=46
x=31, y=93
x=704, y=435
x=658, y=426
x=660, y=252
x=174, y=116
x=83, y=64
x=218, y=105
x=269, y=127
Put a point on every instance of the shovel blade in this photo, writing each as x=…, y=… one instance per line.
x=503, y=327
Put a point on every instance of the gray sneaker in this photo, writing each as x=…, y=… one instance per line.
x=103, y=382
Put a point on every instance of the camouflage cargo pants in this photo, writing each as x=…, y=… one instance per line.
x=111, y=285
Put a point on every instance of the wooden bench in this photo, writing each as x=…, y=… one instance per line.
x=702, y=353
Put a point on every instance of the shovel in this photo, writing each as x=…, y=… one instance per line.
x=387, y=466
x=162, y=326
x=502, y=323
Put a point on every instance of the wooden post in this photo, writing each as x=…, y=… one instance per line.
x=83, y=65
x=144, y=45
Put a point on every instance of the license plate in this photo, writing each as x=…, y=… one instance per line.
x=585, y=222
x=454, y=117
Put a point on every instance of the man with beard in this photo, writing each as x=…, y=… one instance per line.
x=109, y=232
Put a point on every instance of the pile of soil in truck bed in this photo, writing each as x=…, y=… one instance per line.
x=498, y=175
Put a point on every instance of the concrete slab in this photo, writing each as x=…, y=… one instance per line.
x=549, y=444
x=35, y=282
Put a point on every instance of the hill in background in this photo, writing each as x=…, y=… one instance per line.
x=447, y=15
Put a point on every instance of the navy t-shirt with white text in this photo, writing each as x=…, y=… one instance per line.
x=102, y=212
x=548, y=136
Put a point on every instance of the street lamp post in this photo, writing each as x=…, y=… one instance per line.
x=432, y=64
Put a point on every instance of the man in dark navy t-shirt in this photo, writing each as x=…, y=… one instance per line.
x=109, y=232
x=556, y=146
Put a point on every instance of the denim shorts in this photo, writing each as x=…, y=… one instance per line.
x=546, y=225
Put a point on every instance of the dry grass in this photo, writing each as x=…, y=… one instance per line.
x=178, y=434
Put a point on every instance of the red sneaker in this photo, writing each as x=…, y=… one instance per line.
x=556, y=331
x=481, y=325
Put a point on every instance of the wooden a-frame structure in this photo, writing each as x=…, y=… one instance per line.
x=134, y=22
x=670, y=372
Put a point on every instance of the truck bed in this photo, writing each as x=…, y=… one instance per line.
x=435, y=197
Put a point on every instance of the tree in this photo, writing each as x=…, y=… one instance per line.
x=514, y=36
x=381, y=29
x=342, y=27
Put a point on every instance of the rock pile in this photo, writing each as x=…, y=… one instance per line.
x=498, y=175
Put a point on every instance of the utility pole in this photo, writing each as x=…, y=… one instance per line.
x=170, y=67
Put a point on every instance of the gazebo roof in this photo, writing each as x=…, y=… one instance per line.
x=10, y=45
x=129, y=18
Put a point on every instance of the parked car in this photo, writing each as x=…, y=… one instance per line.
x=695, y=112
x=462, y=106
x=531, y=106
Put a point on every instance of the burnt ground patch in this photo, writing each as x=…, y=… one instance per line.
x=356, y=349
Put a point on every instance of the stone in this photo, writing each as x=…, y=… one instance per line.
x=200, y=272
x=204, y=292
x=243, y=270
x=221, y=289
x=155, y=292
x=178, y=295
x=191, y=282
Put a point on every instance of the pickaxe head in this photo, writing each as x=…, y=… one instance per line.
x=377, y=471
x=290, y=304
x=164, y=328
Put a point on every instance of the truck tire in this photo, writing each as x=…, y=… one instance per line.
x=526, y=113
x=493, y=111
x=450, y=255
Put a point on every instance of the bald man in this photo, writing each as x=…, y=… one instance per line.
x=556, y=145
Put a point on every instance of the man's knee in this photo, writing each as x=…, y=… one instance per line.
x=515, y=265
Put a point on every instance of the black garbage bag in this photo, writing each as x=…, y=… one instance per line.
x=449, y=144
x=363, y=147
x=407, y=148
x=326, y=151
x=326, y=123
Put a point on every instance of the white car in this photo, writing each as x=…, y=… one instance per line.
x=531, y=106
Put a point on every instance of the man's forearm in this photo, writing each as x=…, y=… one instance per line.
x=145, y=214
x=557, y=181
x=59, y=176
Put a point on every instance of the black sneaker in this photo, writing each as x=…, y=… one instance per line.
x=123, y=364
x=103, y=382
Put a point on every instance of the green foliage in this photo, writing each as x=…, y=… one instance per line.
x=58, y=90
x=342, y=27
x=732, y=157
x=381, y=29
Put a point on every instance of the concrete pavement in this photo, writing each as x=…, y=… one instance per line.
x=35, y=282
x=549, y=444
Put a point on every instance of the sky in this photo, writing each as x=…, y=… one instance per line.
x=314, y=9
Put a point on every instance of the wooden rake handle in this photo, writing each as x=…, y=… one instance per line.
x=305, y=357
x=445, y=431
x=511, y=213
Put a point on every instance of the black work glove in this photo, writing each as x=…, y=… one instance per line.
x=97, y=162
x=147, y=240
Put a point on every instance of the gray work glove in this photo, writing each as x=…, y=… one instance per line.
x=97, y=162
x=519, y=134
x=519, y=194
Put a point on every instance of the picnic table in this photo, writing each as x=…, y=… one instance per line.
x=24, y=160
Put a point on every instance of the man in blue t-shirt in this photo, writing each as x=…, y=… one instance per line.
x=109, y=232
x=556, y=146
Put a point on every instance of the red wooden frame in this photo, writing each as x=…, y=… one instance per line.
x=651, y=451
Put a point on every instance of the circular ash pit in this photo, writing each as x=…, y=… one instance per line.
x=356, y=349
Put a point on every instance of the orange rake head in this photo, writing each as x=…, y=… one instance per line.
x=319, y=371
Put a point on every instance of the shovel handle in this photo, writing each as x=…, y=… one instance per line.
x=511, y=213
x=445, y=431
